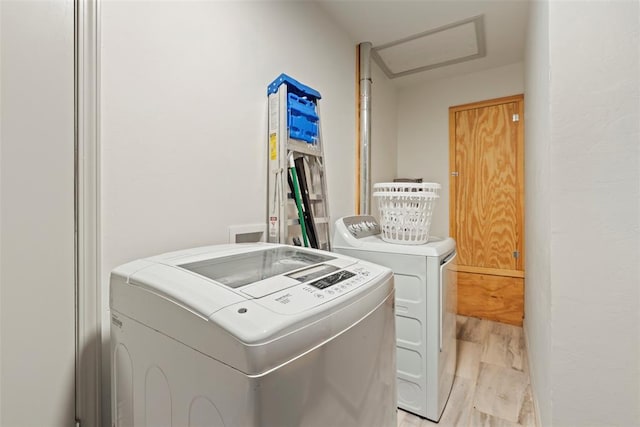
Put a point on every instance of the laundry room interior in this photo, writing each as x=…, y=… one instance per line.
x=131, y=129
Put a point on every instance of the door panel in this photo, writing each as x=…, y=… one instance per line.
x=491, y=297
x=486, y=187
x=486, y=212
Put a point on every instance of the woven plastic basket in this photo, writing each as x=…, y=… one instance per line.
x=420, y=187
x=406, y=210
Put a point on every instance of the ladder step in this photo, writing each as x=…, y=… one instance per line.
x=303, y=148
x=320, y=220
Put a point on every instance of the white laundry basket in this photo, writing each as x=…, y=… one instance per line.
x=406, y=210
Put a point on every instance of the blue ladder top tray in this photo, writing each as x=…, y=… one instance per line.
x=294, y=86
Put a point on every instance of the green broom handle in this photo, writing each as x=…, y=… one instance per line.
x=296, y=194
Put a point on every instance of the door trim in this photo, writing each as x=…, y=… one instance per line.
x=486, y=103
x=88, y=372
x=519, y=100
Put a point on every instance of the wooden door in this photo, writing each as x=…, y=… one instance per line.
x=486, y=165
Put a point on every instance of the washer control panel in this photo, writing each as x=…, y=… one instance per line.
x=332, y=279
x=310, y=294
x=361, y=226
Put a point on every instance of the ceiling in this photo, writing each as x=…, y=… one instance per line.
x=436, y=37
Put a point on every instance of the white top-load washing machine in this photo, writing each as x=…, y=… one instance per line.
x=252, y=335
x=426, y=297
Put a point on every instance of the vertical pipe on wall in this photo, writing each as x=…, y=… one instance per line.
x=365, y=128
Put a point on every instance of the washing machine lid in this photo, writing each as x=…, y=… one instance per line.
x=238, y=270
x=363, y=233
x=286, y=281
x=435, y=247
x=251, y=306
x=205, y=280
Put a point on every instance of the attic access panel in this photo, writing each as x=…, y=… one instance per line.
x=450, y=44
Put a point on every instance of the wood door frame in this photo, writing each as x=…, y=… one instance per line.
x=519, y=100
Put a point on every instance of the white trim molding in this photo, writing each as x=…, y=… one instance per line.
x=87, y=212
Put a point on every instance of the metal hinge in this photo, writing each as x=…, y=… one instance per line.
x=454, y=173
x=516, y=118
x=516, y=254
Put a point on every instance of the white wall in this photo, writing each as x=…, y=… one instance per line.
x=1, y=204
x=184, y=110
x=37, y=345
x=583, y=235
x=595, y=212
x=537, y=299
x=384, y=130
x=423, y=125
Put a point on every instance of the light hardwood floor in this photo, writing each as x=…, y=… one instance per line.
x=491, y=387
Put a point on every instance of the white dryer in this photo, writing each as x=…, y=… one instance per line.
x=426, y=297
x=252, y=335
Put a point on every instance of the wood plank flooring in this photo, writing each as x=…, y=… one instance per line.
x=491, y=387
